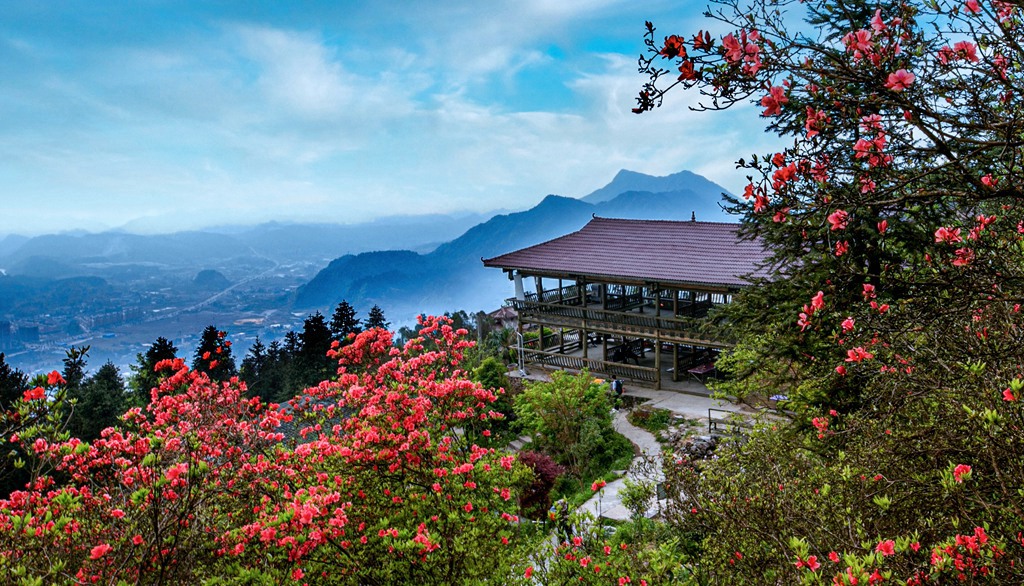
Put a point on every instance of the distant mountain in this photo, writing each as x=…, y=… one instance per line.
x=211, y=280
x=452, y=276
x=100, y=254
x=11, y=242
x=182, y=248
x=706, y=193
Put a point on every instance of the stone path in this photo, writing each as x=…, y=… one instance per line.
x=608, y=503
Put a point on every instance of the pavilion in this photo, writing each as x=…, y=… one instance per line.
x=617, y=290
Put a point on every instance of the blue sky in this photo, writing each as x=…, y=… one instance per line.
x=159, y=116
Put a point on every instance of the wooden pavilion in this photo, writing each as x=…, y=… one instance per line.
x=618, y=291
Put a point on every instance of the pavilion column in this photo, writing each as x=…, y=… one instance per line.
x=657, y=337
x=657, y=362
x=582, y=286
x=675, y=347
x=538, y=283
x=675, y=363
x=517, y=277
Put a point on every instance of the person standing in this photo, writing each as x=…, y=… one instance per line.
x=616, y=390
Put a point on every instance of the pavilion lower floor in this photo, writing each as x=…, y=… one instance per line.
x=634, y=360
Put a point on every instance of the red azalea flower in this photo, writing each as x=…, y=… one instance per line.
x=960, y=471
x=886, y=548
x=99, y=551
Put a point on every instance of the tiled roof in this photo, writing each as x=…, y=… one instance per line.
x=666, y=252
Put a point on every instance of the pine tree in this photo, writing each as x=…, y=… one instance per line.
x=101, y=400
x=213, y=356
x=314, y=365
x=144, y=378
x=253, y=366
x=13, y=383
x=344, y=321
x=375, y=319
x=74, y=368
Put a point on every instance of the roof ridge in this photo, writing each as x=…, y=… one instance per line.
x=636, y=220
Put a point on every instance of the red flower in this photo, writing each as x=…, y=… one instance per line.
x=948, y=235
x=99, y=551
x=36, y=393
x=964, y=257
x=673, y=47
x=899, y=80
x=774, y=101
x=686, y=71
x=818, y=301
x=812, y=563
x=833, y=557
x=529, y=571
x=54, y=378
x=1008, y=395
x=887, y=547
x=597, y=485
x=858, y=354
x=838, y=219
x=960, y=471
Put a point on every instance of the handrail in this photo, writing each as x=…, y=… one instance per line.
x=674, y=324
x=643, y=373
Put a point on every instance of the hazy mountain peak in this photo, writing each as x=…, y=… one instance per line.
x=626, y=180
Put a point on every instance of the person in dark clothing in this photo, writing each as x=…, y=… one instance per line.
x=616, y=391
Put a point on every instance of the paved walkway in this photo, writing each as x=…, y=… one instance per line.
x=647, y=466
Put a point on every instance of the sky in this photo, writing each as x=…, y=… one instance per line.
x=154, y=117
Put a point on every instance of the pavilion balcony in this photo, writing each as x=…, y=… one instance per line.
x=594, y=365
x=595, y=319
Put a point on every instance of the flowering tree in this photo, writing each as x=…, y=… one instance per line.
x=893, y=320
x=366, y=480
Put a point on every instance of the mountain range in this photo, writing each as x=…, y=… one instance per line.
x=452, y=276
x=407, y=265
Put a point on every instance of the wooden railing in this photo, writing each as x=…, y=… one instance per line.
x=684, y=330
x=641, y=373
x=570, y=295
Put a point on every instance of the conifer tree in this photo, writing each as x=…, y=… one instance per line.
x=313, y=363
x=375, y=319
x=213, y=356
x=344, y=321
x=143, y=377
x=101, y=400
x=13, y=383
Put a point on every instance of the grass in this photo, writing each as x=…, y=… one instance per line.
x=653, y=420
x=576, y=492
